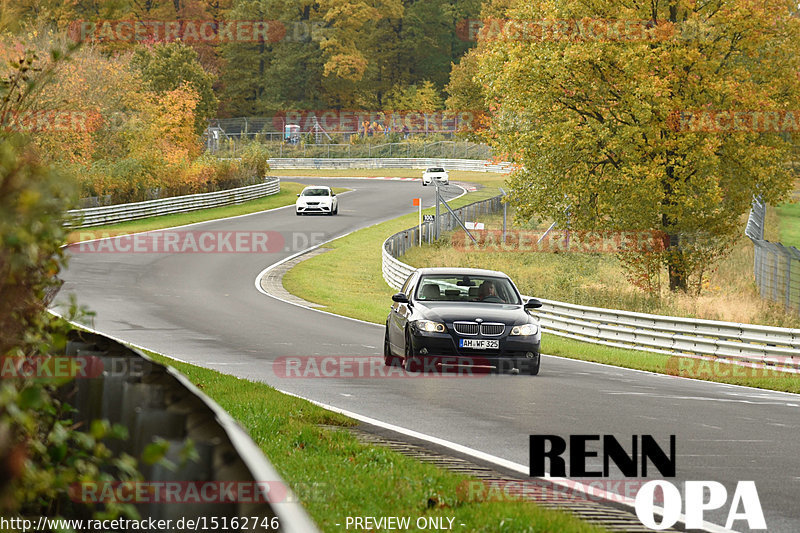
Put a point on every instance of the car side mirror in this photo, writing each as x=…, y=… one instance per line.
x=533, y=303
x=298, y=195
x=333, y=194
x=400, y=298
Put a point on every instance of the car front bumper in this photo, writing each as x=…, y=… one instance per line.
x=313, y=208
x=435, y=349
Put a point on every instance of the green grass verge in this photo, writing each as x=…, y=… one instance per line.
x=355, y=261
x=789, y=224
x=286, y=196
x=335, y=476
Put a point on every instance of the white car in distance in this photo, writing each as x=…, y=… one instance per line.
x=435, y=173
x=317, y=199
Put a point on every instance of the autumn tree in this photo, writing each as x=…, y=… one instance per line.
x=620, y=115
x=423, y=97
x=167, y=66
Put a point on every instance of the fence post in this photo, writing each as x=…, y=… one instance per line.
x=788, y=299
x=775, y=277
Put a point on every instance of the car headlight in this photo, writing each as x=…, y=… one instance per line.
x=430, y=326
x=525, y=329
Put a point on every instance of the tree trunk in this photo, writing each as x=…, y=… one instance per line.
x=676, y=265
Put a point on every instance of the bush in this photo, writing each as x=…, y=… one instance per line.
x=42, y=451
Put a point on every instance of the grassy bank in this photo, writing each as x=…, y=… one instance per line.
x=789, y=224
x=335, y=476
x=286, y=196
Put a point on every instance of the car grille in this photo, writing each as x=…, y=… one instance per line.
x=466, y=328
x=312, y=203
x=490, y=329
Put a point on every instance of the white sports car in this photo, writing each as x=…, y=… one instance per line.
x=435, y=173
x=317, y=199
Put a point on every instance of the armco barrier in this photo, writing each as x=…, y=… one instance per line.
x=157, y=402
x=625, y=329
x=475, y=165
x=97, y=216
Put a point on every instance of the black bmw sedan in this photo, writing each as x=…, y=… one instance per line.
x=463, y=317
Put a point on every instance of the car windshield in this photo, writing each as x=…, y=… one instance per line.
x=436, y=169
x=316, y=192
x=462, y=288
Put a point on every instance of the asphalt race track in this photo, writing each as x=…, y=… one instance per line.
x=203, y=308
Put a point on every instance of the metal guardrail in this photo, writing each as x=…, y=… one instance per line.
x=476, y=165
x=98, y=216
x=776, y=267
x=679, y=336
x=157, y=402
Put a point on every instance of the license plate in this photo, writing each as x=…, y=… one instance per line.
x=478, y=344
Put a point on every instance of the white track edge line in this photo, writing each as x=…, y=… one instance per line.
x=273, y=266
x=505, y=463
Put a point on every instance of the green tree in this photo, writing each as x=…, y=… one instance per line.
x=601, y=124
x=282, y=72
x=167, y=66
x=432, y=38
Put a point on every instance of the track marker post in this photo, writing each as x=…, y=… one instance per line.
x=418, y=203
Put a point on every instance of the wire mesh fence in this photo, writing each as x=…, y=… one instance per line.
x=226, y=137
x=776, y=267
x=399, y=243
x=231, y=146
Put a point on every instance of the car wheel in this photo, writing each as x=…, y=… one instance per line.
x=298, y=213
x=336, y=210
x=533, y=367
x=411, y=363
x=388, y=358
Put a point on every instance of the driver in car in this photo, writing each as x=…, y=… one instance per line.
x=487, y=290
